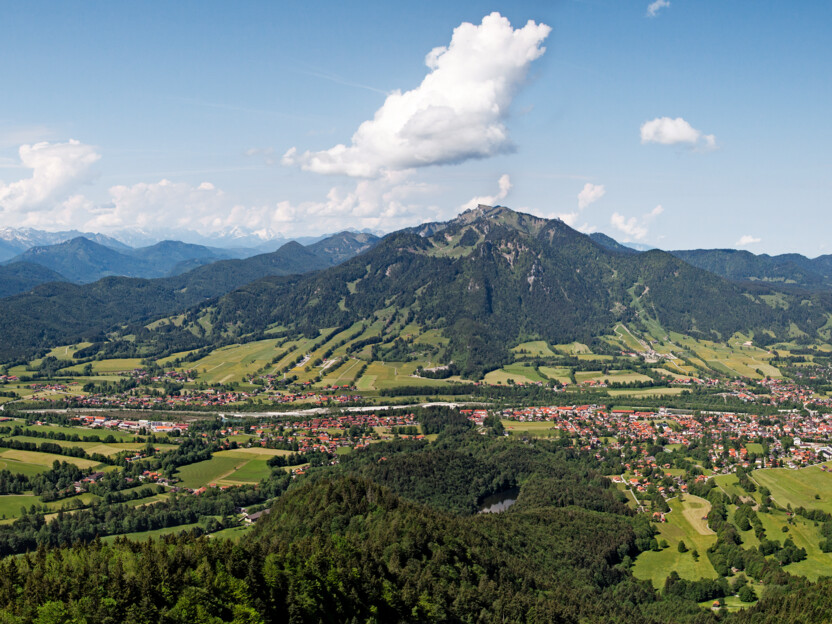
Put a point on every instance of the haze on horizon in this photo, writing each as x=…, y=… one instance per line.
x=671, y=124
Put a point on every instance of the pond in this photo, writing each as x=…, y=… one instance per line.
x=495, y=503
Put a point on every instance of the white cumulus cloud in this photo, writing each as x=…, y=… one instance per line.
x=667, y=131
x=634, y=228
x=747, y=239
x=457, y=113
x=589, y=194
x=654, y=7
x=161, y=204
x=57, y=169
x=504, y=184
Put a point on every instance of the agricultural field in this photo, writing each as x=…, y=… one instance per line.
x=534, y=428
x=534, y=348
x=798, y=488
x=805, y=535
x=234, y=362
x=684, y=522
x=89, y=447
x=232, y=467
x=561, y=374
x=342, y=373
x=209, y=471
x=518, y=373
x=10, y=504
x=391, y=374
x=44, y=459
x=107, y=366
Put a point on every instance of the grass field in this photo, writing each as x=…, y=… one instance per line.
x=89, y=447
x=343, y=373
x=390, y=374
x=517, y=372
x=805, y=535
x=234, y=362
x=26, y=468
x=208, y=471
x=108, y=366
x=120, y=436
x=10, y=504
x=559, y=374
x=798, y=487
x=729, y=484
x=536, y=347
x=684, y=522
x=44, y=459
x=541, y=428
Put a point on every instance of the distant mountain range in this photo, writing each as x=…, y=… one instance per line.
x=14, y=241
x=492, y=278
x=483, y=281
x=61, y=312
x=82, y=260
x=236, y=241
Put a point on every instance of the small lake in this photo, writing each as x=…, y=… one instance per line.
x=495, y=503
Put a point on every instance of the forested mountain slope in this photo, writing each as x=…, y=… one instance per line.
x=741, y=265
x=493, y=277
x=58, y=313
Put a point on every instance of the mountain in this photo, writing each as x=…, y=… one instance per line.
x=82, y=260
x=492, y=278
x=62, y=313
x=610, y=243
x=19, y=277
x=344, y=245
x=742, y=265
x=14, y=241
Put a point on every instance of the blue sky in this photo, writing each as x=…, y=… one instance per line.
x=703, y=125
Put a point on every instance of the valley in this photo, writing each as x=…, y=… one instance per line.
x=709, y=436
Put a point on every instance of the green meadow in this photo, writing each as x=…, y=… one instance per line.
x=684, y=522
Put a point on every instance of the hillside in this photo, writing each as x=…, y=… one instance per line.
x=741, y=265
x=492, y=278
x=61, y=312
x=14, y=241
x=19, y=277
x=82, y=261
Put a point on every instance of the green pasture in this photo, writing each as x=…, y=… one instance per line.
x=519, y=373
x=251, y=471
x=798, y=487
x=572, y=348
x=391, y=374
x=684, y=522
x=10, y=504
x=89, y=447
x=120, y=436
x=543, y=428
x=628, y=338
x=209, y=471
x=558, y=373
x=534, y=348
x=43, y=459
x=234, y=362
x=806, y=535
x=108, y=366
x=343, y=373
x=729, y=484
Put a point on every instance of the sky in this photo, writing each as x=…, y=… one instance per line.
x=671, y=123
